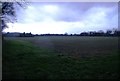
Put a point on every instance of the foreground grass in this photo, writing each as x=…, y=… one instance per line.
x=22, y=60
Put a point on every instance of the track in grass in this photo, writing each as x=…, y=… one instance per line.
x=75, y=46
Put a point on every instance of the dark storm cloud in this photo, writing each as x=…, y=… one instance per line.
x=73, y=11
x=77, y=11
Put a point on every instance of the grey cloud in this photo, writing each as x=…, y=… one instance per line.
x=69, y=11
x=86, y=13
x=72, y=12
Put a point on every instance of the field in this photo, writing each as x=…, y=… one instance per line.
x=60, y=57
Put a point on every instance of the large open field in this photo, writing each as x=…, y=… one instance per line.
x=62, y=57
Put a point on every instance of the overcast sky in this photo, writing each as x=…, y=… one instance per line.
x=61, y=17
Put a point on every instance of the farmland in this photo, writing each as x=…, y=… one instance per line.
x=60, y=57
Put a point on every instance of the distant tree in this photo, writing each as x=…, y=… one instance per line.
x=101, y=31
x=71, y=34
x=116, y=33
x=26, y=34
x=92, y=33
x=84, y=34
x=66, y=34
x=108, y=32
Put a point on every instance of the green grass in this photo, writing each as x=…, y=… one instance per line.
x=24, y=60
x=74, y=46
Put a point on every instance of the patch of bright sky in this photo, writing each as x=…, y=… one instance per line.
x=63, y=17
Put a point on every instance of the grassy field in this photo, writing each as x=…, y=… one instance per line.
x=60, y=58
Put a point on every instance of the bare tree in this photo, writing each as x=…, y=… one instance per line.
x=8, y=13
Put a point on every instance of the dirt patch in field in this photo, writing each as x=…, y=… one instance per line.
x=78, y=47
x=77, y=52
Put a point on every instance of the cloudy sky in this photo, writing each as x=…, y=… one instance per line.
x=61, y=17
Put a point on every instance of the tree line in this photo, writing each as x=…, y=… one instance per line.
x=90, y=33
